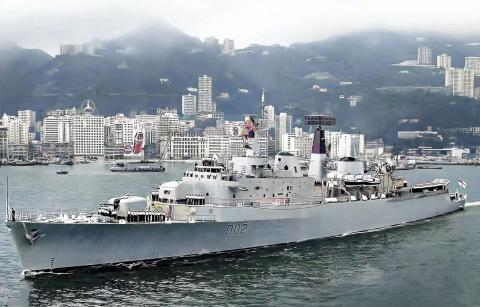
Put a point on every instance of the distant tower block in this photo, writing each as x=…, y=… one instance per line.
x=317, y=168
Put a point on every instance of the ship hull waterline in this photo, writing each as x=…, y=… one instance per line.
x=60, y=246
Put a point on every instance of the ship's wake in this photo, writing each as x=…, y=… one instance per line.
x=473, y=204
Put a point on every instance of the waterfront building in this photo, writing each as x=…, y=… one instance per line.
x=189, y=105
x=88, y=135
x=205, y=102
x=461, y=81
x=444, y=61
x=283, y=125
x=218, y=145
x=228, y=47
x=424, y=56
x=57, y=129
x=186, y=146
x=473, y=63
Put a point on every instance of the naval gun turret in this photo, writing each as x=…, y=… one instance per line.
x=317, y=168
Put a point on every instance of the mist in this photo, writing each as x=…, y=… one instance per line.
x=46, y=24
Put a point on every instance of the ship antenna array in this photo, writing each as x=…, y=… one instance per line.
x=320, y=120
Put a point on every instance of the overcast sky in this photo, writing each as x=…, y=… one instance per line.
x=47, y=23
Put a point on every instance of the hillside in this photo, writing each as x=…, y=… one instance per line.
x=130, y=72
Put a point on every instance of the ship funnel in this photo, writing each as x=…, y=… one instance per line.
x=317, y=168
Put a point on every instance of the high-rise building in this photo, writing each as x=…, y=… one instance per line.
x=169, y=123
x=17, y=130
x=122, y=130
x=228, y=47
x=424, y=56
x=189, y=105
x=269, y=116
x=57, y=129
x=283, y=125
x=29, y=118
x=205, y=102
x=88, y=135
x=4, y=143
x=444, y=61
x=461, y=81
x=473, y=63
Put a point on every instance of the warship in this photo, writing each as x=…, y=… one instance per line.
x=248, y=202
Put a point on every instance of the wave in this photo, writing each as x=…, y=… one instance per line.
x=472, y=204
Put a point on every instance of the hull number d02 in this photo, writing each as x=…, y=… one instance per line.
x=236, y=229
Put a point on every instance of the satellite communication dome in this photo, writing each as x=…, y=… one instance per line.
x=88, y=106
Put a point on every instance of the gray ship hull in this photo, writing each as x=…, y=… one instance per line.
x=61, y=246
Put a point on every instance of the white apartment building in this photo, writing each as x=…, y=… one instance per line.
x=473, y=63
x=121, y=130
x=17, y=130
x=298, y=143
x=228, y=47
x=29, y=117
x=57, y=129
x=218, y=145
x=168, y=123
x=189, y=105
x=88, y=135
x=283, y=125
x=444, y=61
x=187, y=147
x=461, y=81
x=424, y=56
x=205, y=102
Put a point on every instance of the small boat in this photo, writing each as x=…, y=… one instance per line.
x=427, y=166
x=62, y=172
x=436, y=184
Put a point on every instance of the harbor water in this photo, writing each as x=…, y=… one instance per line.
x=430, y=263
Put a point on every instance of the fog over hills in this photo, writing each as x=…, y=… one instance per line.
x=130, y=72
